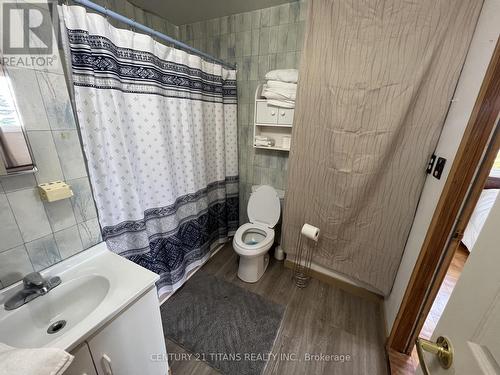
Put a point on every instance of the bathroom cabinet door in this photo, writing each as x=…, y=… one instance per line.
x=285, y=116
x=133, y=342
x=265, y=114
x=82, y=363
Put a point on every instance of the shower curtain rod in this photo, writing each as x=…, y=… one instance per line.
x=148, y=30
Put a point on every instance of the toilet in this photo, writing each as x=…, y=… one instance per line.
x=253, y=240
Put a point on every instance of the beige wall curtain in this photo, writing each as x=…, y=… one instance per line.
x=376, y=80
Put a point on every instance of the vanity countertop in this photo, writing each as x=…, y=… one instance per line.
x=96, y=286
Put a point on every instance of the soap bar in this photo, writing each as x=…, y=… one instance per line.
x=55, y=191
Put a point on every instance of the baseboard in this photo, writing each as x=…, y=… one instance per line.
x=344, y=285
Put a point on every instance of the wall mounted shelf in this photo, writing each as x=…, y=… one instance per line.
x=272, y=122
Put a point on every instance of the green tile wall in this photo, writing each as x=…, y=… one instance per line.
x=257, y=42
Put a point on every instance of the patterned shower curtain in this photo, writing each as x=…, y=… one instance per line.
x=159, y=132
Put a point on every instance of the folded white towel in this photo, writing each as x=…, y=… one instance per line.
x=285, y=75
x=281, y=103
x=283, y=86
x=42, y=361
x=278, y=93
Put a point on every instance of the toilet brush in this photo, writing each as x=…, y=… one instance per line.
x=306, y=243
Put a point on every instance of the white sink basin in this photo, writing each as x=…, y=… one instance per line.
x=69, y=302
x=95, y=286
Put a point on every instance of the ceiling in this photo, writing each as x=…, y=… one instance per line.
x=181, y=12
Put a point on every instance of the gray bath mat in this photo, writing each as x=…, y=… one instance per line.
x=230, y=328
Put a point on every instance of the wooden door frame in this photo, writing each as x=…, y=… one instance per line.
x=457, y=201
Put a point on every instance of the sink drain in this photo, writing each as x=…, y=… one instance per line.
x=56, y=326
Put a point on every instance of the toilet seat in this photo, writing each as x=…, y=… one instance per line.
x=247, y=249
x=264, y=206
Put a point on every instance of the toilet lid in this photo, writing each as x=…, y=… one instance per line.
x=264, y=206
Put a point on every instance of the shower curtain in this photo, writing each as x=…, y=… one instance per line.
x=158, y=127
x=376, y=80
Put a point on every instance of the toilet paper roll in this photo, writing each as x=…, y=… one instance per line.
x=310, y=231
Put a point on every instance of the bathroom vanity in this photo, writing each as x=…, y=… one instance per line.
x=131, y=343
x=105, y=312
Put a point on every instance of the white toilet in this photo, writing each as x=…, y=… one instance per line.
x=253, y=240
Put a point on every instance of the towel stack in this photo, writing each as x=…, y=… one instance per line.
x=263, y=141
x=281, y=87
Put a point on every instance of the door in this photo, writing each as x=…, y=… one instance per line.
x=471, y=319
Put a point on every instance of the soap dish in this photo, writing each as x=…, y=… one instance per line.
x=54, y=191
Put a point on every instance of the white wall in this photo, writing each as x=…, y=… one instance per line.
x=478, y=57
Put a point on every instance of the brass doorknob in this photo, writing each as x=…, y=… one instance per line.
x=442, y=348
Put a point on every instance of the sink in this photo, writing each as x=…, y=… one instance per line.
x=96, y=285
x=61, y=309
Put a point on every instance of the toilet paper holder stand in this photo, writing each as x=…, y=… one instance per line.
x=306, y=243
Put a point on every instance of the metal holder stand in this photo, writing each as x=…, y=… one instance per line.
x=303, y=258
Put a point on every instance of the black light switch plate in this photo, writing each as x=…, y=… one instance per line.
x=438, y=171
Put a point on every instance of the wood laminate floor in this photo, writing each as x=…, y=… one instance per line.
x=406, y=365
x=319, y=320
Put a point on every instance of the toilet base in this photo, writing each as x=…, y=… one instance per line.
x=251, y=269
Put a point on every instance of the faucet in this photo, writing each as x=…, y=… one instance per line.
x=34, y=286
